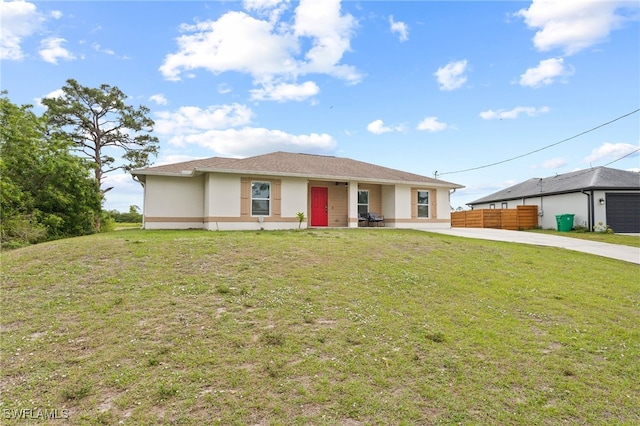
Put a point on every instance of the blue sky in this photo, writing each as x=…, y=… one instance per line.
x=421, y=86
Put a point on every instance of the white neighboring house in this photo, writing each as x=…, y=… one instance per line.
x=268, y=191
x=599, y=194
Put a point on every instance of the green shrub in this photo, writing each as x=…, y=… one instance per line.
x=602, y=228
x=107, y=224
x=22, y=230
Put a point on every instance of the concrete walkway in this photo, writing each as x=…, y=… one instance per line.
x=614, y=251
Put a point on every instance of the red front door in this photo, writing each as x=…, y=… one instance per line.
x=319, y=206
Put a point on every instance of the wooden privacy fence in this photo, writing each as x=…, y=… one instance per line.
x=522, y=217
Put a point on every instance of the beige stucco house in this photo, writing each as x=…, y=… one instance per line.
x=267, y=192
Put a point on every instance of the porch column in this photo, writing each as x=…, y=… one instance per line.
x=352, y=204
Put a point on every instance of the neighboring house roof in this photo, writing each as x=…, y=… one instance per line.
x=299, y=165
x=597, y=178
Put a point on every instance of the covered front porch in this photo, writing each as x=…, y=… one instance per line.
x=341, y=204
x=336, y=204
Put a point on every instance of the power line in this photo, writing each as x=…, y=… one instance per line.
x=544, y=147
x=624, y=156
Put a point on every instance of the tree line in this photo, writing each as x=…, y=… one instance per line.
x=53, y=166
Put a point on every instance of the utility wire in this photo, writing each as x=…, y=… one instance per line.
x=624, y=156
x=544, y=147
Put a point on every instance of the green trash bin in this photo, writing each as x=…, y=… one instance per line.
x=565, y=222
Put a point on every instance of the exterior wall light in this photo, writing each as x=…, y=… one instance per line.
x=601, y=201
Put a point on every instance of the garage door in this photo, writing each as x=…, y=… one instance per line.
x=623, y=212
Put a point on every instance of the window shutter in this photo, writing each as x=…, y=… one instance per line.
x=276, y=194
x=414, y=203
x=245, y=197
x=433, y=213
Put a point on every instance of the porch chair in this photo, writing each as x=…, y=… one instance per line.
x=363, y=219
x=374, y=218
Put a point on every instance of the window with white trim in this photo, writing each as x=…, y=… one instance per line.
x=260, y=198
x=423, y=204
x=363, y=203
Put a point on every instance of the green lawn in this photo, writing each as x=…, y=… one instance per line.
x=121, y=226
x=349, y=327
x=626, y=240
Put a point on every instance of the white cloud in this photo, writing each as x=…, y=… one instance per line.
x=432, y=124
x=213, y=128
x=553, y=163
x=451, y=76
x=254, y=141
x=159, y=99
x=174, y=158
x=286, y=92
x=399, y=27
x=191, y=119
x=273, y=9
x=55, y=94
x=377, y=127
x=100, y=49
x=51, y=50
x=224, y=88
x=18, y=19
x=229, y=44
x=261, y=4
x=611, y=151
x=56, y=14
x=513, y=113
x=330, y=34
x=278, y=59
x=547, y=71
x=573, y=25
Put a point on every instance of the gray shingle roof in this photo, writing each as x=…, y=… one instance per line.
x=589, y=179
x=178, y=168
x=290, y=164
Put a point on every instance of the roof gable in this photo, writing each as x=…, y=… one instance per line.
x=303, y=165
x=589, y=179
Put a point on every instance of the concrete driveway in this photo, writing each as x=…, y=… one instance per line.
x=614, y=251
